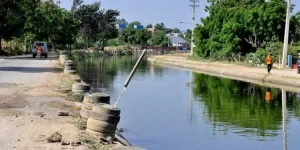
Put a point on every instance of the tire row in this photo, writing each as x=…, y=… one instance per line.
x=102, y=117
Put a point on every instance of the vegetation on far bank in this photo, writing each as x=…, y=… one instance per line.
x=246, y=29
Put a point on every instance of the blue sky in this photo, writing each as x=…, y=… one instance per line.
x=171, y=12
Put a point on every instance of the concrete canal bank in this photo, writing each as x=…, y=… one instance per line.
x=285, y=78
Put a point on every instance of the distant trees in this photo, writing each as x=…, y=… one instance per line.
x=31, y=20
x=242, y=27
x=85, y=25
x=149, y=26
x=133, y=36
x=11, y=20
x=97, y=24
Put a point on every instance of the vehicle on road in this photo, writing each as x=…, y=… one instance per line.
x=44, y=49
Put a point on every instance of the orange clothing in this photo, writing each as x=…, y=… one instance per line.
x=269, y=60
x=39, y=49
x=268, y=96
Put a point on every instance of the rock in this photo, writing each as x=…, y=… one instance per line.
x=19, y=140
x=42, y=115
x=56, y=137
x=65, y=143
x=62, y=113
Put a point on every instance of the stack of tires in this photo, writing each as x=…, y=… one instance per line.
x=103, y=121
x=76, y=79
x=69, y=67
x=79, y=89
x=89, y=100
x=63, y=58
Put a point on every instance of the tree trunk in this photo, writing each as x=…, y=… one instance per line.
x=51, y=43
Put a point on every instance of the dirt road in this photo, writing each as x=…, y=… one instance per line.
x=28, y=105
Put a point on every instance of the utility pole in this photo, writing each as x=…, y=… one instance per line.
x=194, y=4
x=286, y=34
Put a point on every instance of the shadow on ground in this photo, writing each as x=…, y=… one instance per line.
x=29, y=57
x=30, y=69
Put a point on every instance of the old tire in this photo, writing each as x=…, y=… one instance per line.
x=80, y=91
x=69, y=68
x=84, y=113
x=101, y=135
x=69, y=63
x=97, y=98
x=106, y=109
x=88, y=106
x=63, y=57
x=100, y=126
x=69, y=71
x=105, y=117
x=81, y=86
x=78, y=80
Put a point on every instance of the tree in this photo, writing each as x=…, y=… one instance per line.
x=235, y=26
x=149, y=26
x=135, y=36
x=159, y=38
x=58, y=25
x=176, y=30
x=106, y=27
x=11, y=20
x=160, y=26
x=88, y=15
x=76, y=4
x=142, y=36
x=121, y=21
x=97, y=24
x=188, y=35
x=132, y=24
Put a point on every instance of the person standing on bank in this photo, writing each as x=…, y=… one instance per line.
x=269, y=62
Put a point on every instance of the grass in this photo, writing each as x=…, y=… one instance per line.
x=91, y=142
x=195, y=58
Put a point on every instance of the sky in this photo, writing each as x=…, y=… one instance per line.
x=170, y=12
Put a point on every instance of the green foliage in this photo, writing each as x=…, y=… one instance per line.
x=159, y=38
x=149, y=26
x=134, y=36
x=176, y=30
x=115, y=42
x=97, y=24
x=121, y=21
x=188, y=35
x=239, y=26
x=11, y=19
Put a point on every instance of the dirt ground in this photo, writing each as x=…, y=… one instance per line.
x=28, y=114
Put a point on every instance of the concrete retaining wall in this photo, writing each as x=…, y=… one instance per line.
x=267, y=80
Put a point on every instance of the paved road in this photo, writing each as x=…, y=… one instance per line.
x=24, y=69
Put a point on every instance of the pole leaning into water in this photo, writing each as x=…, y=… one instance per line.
x=131, y=75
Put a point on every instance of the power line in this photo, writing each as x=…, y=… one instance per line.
x=194, y=5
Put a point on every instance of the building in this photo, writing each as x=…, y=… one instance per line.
x=177, y=41
x=121, y=27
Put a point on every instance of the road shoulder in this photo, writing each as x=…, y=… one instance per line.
x=286, y=78
x=28, y=114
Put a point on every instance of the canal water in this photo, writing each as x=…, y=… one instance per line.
x=172, y=109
